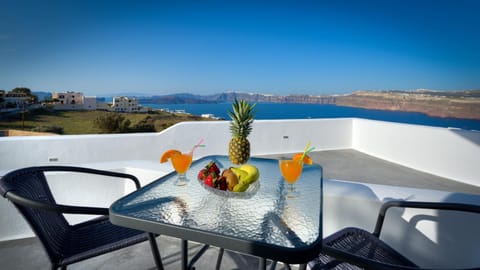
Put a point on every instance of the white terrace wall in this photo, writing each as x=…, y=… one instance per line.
x=277, y=136
x=446, y=152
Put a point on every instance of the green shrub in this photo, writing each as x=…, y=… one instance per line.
x=112, y=123
x=50, y=129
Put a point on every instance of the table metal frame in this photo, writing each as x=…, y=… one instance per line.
x=296, y=255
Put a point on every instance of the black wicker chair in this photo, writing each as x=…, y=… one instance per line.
x=65, y=244
x=354, y=248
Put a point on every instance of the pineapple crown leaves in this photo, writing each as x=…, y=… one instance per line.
x=242, y=116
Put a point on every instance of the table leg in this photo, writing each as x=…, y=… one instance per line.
x=155, y=251
x=262, y=264
x=184, y=254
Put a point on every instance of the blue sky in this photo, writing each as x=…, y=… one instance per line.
x=205, y=47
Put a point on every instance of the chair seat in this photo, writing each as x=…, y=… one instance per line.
x=361, y=243
x=108, y=237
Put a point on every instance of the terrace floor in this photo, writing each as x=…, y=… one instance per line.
x=337, y=164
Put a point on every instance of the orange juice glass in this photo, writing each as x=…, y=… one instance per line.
x=181, y=162
x=291, y=171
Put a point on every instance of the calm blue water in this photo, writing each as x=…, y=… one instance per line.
x=305, y=111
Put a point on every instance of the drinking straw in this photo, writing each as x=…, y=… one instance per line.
x=306, y=150
x=199, y=144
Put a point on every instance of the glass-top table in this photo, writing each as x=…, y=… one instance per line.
x=263, y=223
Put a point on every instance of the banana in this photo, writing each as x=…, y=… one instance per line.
x=241, y=174
x=246, y=174
x=240, y=187
x=252, y=171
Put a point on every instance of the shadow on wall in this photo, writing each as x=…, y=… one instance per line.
x=472, y=136
x=436, y=238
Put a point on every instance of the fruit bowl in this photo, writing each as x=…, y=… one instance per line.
x=250, y=192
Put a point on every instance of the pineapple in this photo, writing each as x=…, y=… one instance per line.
x=241, y=126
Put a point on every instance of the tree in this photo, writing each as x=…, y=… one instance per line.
x=24, y=90
x=112, y=123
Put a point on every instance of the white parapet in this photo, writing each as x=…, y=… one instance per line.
x=449, y=153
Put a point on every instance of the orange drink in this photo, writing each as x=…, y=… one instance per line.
x=291, y=169
x=181, y=162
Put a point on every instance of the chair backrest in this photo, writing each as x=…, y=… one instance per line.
x=51, y=227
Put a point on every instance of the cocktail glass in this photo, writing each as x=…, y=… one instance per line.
x=181, y=162
x=291, y=169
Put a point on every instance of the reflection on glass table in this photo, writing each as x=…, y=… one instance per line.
x=264, y=224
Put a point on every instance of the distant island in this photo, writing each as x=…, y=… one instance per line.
x=447, y=104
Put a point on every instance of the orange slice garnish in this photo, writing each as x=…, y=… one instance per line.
x=306, y=160
x=168, y=154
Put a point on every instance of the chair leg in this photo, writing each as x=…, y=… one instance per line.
x=262, y=264
x=273, y=265
x=56, y=266
x=155, y=251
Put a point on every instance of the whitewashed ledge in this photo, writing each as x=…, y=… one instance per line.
x=424, y=236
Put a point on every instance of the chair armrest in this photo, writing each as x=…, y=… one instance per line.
x=91, y=171
x=66, y=209
x=424, y=205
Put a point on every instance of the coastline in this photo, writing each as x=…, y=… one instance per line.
x=275, y=111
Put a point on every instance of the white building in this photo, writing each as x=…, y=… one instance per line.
x=68, y=97
x=19, y=99
x=125, y=104
x=74, y=101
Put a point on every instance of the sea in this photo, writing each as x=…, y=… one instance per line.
x=270, y=111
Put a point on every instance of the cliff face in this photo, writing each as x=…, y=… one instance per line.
x=456, y=104
x=229, y=97
x=433, y=105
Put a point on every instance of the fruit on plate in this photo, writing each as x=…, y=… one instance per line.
x=252, y=173
x=209, y=180
x=236, y=179
x=210, y=175
x=241, y=187
x=241, y=174
x=246, y=174
x=231, y=178
x=220, y=183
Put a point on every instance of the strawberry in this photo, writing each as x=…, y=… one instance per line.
x=209, y=180
x=202, y=174
x=221, y=183
x=213, y=168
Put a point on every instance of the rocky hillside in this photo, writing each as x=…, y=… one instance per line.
x=454, y=104
x=448, y=104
